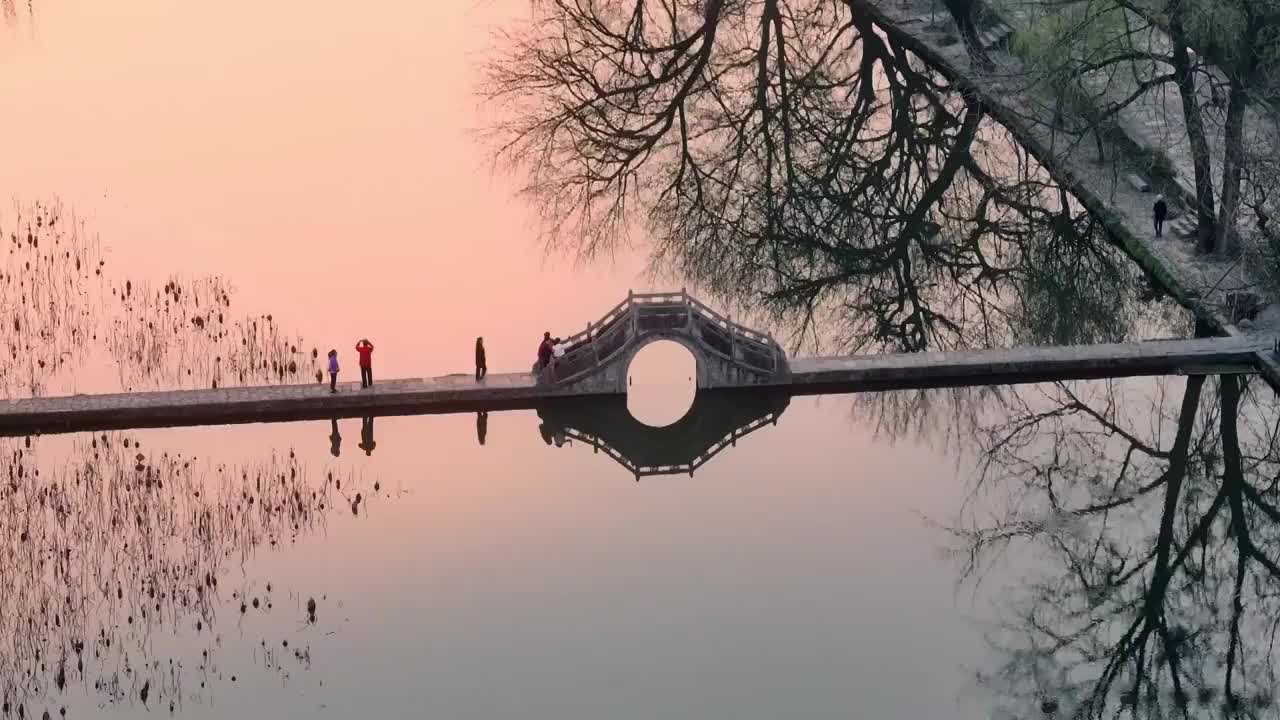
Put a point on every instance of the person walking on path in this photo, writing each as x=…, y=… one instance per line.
x=545, y=350
x=333, y=371
x=481, y=368
x=1158, y=213
x=365, y=348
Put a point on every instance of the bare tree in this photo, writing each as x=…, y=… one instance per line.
x=788, y=155
x=1086, y=49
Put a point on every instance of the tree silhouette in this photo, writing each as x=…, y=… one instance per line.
x=1157, y=520
x=790, y=158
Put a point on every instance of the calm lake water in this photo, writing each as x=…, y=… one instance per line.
x=208, y=192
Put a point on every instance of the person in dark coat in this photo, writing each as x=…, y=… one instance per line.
x=545, y=350
x=1158, y=213
x=482, y=369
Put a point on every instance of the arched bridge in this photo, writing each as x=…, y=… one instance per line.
x=727, y=354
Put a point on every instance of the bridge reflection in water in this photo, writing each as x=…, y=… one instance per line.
x=715, y=421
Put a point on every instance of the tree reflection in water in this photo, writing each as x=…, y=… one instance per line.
x=119, y=544
x=1154, y=520
x=788, y=156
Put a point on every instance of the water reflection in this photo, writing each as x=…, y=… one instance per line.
x=366, y=435
x=335, y=438
x=834, y=180
x=1152, y=521
x=717, y=420
x=115, y=547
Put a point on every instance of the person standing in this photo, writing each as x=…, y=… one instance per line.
x=1158, y=213
x=481, y=368
x=333, y=371
x=545, y=351
x=365, y=349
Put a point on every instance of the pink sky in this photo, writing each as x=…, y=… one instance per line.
x=321, y=156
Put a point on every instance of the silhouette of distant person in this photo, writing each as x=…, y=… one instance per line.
x=1158, y=213
x=366, y=436
x=333, y=371
x=365, y=348
x=335, y=438
x=545, y=349
x=482, y=426
x=482, y=368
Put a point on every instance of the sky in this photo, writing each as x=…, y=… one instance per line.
x=322, y=155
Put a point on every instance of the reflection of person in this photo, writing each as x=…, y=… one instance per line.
x=366, y=436
x=482, y=368
x=482, y=426
x=365, y=348
x=335, y=438
x=552, y=436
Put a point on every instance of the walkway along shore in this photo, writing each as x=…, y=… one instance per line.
x=462, y=393
x=1007, y=95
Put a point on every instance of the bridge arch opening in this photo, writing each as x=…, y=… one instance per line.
x=662, y=382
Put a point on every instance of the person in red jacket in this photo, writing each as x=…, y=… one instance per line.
x=365, y=349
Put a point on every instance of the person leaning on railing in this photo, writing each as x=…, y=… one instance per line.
x=545, y=353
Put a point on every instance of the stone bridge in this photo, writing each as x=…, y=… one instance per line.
x=715, y=421
x=727, y=354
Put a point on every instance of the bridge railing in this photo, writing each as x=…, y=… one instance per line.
x=661, y=311
x=744, y=346
x=606, y=322
x=733, y=341
x=593, y=346
x=737, y=328
x=648, y=312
